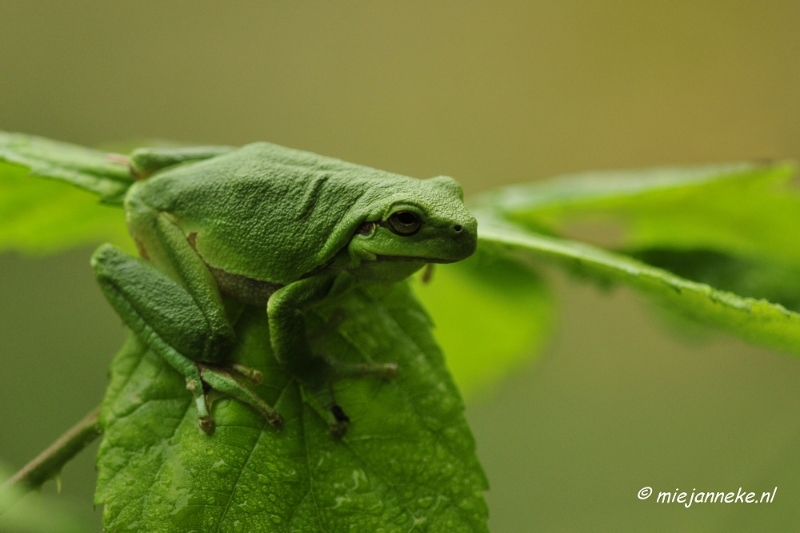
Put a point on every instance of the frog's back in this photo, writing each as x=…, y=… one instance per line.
x=264, y=211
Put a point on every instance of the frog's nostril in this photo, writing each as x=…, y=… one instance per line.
x=457, y=227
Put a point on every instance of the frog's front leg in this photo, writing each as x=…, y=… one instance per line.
x=286, y=310
x=173, y=305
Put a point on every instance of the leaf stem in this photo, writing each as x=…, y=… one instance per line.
x=49, y=463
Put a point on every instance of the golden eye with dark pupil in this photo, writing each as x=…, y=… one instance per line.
x=404, y=223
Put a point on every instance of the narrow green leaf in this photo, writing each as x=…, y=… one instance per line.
x=406, y=463
x=92, y=170
x=42, y=216
x=490, y=315
x=746, y=276
x=755, y=320
x=740, y=209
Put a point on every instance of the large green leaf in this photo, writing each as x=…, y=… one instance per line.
x=406, y=463
x=755, y=320
x=490, y=315
x=43, y=216
x=741, y=209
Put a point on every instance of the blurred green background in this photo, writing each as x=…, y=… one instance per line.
x=490, y=93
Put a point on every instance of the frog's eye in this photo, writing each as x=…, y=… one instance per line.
x=405, y=223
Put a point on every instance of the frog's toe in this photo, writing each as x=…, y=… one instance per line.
x=207, y=424
x=339, y=427
x=276, y=421
x=338, y=414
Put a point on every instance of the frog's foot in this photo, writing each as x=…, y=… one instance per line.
x=324, y=403
x=334, y=370
x=228, y=380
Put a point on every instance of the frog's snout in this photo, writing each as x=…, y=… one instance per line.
x=461, y=232
x=465, y=229
x=464, y=236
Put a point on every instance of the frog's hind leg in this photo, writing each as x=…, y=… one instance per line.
x=171, y=301
x=150, y=314
x=167, y=319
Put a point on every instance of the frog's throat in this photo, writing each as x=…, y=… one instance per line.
x=257, y=292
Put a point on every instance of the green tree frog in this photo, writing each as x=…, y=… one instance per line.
x=273, y=227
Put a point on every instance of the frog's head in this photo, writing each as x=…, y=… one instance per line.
x=422, y=221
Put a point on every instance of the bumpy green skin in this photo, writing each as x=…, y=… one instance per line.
x=273, y=227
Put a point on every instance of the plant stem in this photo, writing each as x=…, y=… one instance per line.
x=49, y=463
